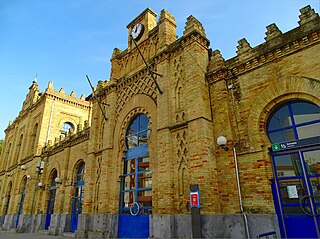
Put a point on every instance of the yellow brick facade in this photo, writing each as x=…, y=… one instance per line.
x=203, y=96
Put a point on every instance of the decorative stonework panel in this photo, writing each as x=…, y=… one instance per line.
x=179, y=76
x=181, y=150
x=97, y=184
x=144, y=85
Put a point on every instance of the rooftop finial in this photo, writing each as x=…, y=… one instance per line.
x=307, y=14
x=35, y=78
x=243, y=46
x=50, y=85
x=272, y=32
x=193, y=24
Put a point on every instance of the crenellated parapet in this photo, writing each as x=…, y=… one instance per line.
x=276, y=46
x=35, y=98
x=61, y=96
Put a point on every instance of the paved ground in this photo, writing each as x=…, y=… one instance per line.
x=14, y=235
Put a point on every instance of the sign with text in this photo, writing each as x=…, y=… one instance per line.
x=283, y=146
x=296, y=144
x=194, y=199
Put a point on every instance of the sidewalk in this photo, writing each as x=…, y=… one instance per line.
x=14, y=235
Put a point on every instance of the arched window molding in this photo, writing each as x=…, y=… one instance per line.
x=294, y=120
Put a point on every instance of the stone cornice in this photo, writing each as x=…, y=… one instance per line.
x=67, y=99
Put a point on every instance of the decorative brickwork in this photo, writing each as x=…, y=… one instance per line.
x=204, y=96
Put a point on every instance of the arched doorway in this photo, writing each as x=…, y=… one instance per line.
x=23, y=195
x=52, y=196
x=7, y=203
x=77, y=197
x=294, y=131
x=135, y=203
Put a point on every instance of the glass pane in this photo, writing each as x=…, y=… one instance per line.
x=312, y=159
x=292, y=191
x=145, y=180
x=66, y=127
x=130, y=182
x=80, y=173
x=292, y=210
x=132, y=141
x=24, y=185
x=130, y=166
x=52, y=195
x=78, y=191
x=282, y=136
x=144, y=121
x=133, y=127
x=53, y=177
x=308, y=131
x=315, y=185
x=143, y=164
x=128, y=199
x=143, y=138
x=288, y=165
x=78, y=206
x=280, y=119
x=145, y=198
x=137, y=131
x=305, y=112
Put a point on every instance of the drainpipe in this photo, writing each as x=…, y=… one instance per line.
x=222, y=142
x=239, y=192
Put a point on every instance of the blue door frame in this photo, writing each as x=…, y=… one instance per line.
x=50, y=207
x=76, y=205
x=23, y=195
x=295, y=190
x=20, y=207
x=133, y=223
x=77, y=198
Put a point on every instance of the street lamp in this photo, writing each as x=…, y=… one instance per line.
x=222, y=142
x=58, y=180
x=41, y=185
x=39, y=170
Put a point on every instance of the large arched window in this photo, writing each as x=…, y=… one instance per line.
x=18, y=149
x=33, y=138
x=66, y=127
x=6, y=161
x=293, y=121
x=137, y=177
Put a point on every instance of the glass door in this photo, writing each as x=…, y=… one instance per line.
x=297, y=181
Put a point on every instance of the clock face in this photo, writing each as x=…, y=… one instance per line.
x=137, y=31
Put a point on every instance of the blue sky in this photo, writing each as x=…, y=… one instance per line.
x=63, y=40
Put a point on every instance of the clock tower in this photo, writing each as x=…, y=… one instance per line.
x=139, y=27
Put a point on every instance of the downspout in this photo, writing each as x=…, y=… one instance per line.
x=50, y=120
x=239, y=193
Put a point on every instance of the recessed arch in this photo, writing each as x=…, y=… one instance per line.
x=279, y=92
x=293, y=120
